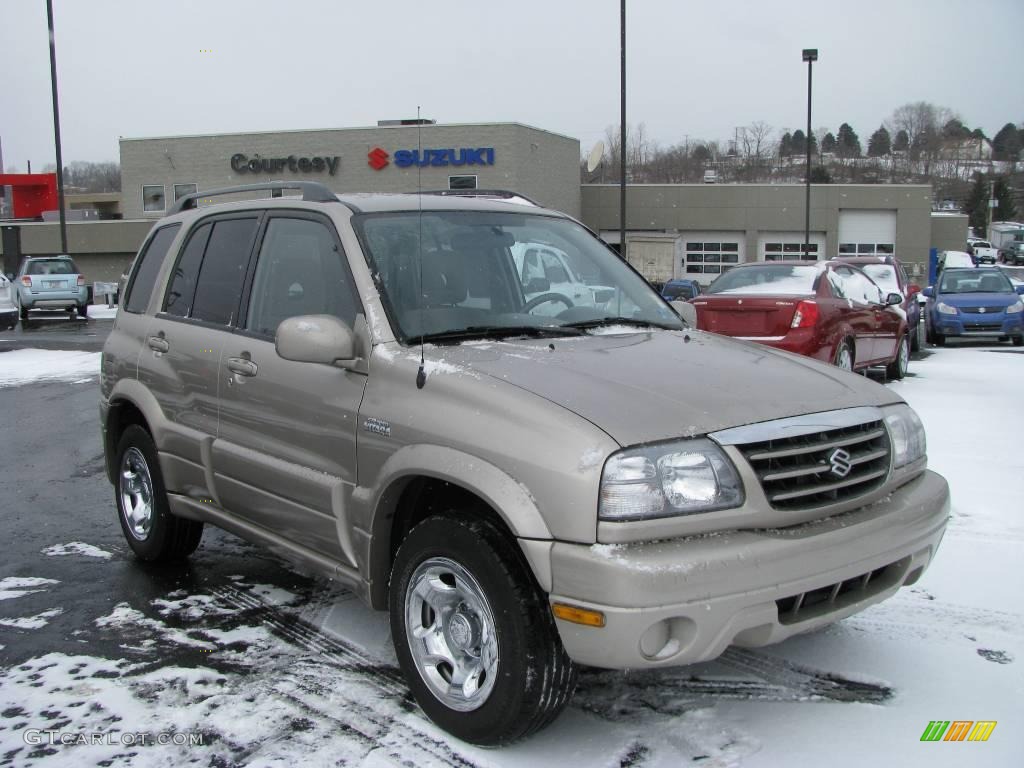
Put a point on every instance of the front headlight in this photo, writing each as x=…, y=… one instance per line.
x=945, y=308
x=670, y=479
x=1017, y=306
x=907, y=435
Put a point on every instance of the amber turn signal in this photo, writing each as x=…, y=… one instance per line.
x=578, y=615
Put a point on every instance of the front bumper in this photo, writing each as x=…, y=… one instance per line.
x=678, y=602
x=1000, y=324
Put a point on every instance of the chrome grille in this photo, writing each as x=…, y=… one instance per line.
x=821, y=468
x=981, y=310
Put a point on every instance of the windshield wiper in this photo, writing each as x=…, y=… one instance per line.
x=501, y=331
x=604, y=321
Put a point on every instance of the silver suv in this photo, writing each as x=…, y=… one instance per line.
x=360, y=382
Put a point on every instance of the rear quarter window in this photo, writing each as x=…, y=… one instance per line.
x=150, y=260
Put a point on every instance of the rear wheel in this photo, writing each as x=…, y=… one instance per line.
x=22, y=312
x=474, y=633
x=897, y=369
x=150, y=529
x=915, y=338
x=844, y=355
x=83, y=310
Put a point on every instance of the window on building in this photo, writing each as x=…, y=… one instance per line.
x=299, y=272
x=223, y=270
x=180, y=190
x=866, y=249
x=143, y=278
x=462, y=182
x=789, y=251
x=153, y=200
x=707, y=258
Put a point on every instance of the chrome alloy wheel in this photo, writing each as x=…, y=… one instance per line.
x=451, y=633
x=845, y=360
x=136, y=488
x=904, y=356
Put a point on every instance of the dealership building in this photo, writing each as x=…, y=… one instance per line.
x=672, y=230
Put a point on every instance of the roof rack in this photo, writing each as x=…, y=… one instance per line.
x=502, y=193
x=312, y=192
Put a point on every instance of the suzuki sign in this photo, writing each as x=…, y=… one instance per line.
x=378, y=159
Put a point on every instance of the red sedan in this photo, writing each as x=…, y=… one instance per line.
x=827, y=310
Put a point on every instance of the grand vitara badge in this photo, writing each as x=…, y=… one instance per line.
x=378, y=427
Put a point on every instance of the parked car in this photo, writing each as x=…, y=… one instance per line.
x=8, y=309
x=546, y=270
x=888, y=274
x=360, y=382
x=1012, y=254
x=977, y=302
x=982, y=252
x=827, y=310
x=681, y=289
x=955, y=259
x=51, y=282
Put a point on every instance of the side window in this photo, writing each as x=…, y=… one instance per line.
x=183, y=283
x=553, y=269
x=150, y=261
x=223, y=271
x=837, y=281
x=300, y=271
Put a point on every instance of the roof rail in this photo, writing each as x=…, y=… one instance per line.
x=502, y=193
x=312, y=191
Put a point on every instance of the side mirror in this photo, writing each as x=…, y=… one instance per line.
x=538, y=285
x=686, y=311
x=928, y=292
x=1020, y=290
x=315, y=339
x=892, y=299
x=913, y=289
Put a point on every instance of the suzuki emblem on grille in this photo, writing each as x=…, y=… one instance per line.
x=982, y=310
x=840, y=461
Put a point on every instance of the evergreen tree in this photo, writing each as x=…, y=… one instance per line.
x=902, y=142
x=977, y=133
x=976, y=205
x=798, y=143
x=879, y=145
x=814, y=144
x=1006, y=143
x=847, y=142
x=786, y=145
x=701, y=153
x=1005, y=209
x=819, y=175
x=828, y=143
x=956, y=130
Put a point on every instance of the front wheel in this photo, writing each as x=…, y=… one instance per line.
x=474, y=634
x=150, y=529
x=1018, y=341
x=938, y=339
x=897, y=369
x=844, y=356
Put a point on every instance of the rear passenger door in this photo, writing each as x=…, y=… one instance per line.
x=287, y=441
x=858, y=313
x=180, y=360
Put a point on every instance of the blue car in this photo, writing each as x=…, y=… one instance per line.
x=974, y=303
x=680, y=290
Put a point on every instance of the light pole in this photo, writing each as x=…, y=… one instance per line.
x=810, y=56
x=56, y=131
x=622, y=133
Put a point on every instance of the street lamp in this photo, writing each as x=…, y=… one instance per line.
x=56, y=131
x=810, y=56
x=622, y=130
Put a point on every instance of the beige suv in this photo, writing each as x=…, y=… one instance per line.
x=360, y=383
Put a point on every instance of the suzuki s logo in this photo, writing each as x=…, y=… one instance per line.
x=378, y=158
x=840, y=461
x=982, y=310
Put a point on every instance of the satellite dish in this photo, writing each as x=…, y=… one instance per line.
x=595, y=157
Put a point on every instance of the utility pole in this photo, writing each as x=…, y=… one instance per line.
x=810, y=55
x=56, y=131
x=622, y=133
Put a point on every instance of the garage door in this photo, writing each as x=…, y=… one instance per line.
x=867, y=233
x=703, y=256
x=786, y=246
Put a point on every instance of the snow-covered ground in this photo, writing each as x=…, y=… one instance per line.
x=24, y=366
x=280, y=678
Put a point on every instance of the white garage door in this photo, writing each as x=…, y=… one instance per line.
x=867, y=233
x=703, y=256
x=786, y=246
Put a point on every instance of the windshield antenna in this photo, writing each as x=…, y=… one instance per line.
x=421, y=374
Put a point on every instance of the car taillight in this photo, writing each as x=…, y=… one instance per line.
x=26, y=281
x=81, y=280
x=806, y=315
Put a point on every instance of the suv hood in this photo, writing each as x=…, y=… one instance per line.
x=645, y=386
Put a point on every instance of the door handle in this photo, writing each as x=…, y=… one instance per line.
x=241, y=366
x=158, y=343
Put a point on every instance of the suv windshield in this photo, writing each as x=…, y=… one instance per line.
x=462, y=274
x=51, y=267
x=767, y=278
x=975, y=281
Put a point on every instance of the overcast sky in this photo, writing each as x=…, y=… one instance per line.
x=696, y=69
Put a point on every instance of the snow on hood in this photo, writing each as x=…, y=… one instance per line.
x=653, y=385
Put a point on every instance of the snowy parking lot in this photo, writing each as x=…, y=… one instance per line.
x=237, y=659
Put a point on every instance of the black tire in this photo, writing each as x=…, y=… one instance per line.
x=22, y=312
x=534, y=678
x=938, y=340
x=168, y=537
x=846, y=346
x=897, y=369
x=915, y=338
x=1018, y=341
x=83, y=310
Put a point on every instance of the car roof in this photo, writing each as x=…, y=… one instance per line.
x=858, y=261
